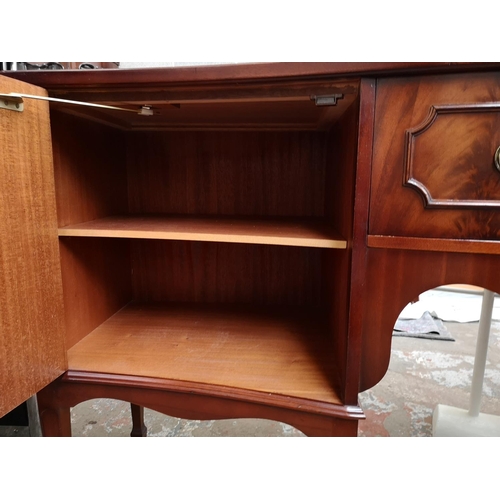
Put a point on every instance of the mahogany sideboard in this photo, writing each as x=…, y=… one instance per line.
x=235, y=241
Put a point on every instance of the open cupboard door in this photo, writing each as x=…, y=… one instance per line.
x=32, y=350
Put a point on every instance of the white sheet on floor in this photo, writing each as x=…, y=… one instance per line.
x=449, y=306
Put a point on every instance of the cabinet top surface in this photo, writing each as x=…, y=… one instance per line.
x=55, y=79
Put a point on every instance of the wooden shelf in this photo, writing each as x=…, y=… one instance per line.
x=273, y=351
x=302, y=232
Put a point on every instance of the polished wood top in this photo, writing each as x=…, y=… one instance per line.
x=150, y=77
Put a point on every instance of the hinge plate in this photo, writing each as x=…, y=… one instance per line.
x=13, y=103
x=326, y=100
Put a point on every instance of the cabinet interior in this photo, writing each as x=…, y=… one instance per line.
x=209, y=242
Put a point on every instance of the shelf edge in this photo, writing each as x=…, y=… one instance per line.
x=207, y=237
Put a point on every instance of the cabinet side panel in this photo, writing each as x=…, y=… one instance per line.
x=394, y=278
x=339, y=208
x=97, y=282
x=32, y=351
x=89, y=166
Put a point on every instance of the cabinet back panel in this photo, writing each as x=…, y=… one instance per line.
x=227, y=173
x=226, y=273
x=89, y=170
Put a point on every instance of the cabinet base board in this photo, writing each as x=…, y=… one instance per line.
x=190, y=401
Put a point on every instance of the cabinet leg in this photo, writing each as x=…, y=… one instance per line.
x=55, y=419
x=55, y=422
x=138, y=427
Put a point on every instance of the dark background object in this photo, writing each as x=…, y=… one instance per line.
x=21, y=66
x=18, y=416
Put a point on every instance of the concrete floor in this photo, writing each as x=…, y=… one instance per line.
x=422, y=374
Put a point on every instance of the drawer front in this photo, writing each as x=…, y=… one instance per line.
x=434, y=169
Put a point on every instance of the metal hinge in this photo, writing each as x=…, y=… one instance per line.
x=326, y=100
x=14, y=102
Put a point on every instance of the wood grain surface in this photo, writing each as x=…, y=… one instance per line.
x=222, y=109
x=339, y=209
x=183, y=271
x=435, y=244
x=394, y=278
x=32, y=350
x=357, y=282
x=190, y=400
x=234, y=73
x=226, y=173
x=454, y=157
x=459, y=173
x=97, y=282
x=269, y=231
x=310, y=324
x=89, y=169
x=263, y=349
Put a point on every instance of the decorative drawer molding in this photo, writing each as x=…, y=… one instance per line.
x=449, y=157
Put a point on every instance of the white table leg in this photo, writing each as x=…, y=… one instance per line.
x=450, y=421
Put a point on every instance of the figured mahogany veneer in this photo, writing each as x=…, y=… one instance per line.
x=244, y=252
x=394, y=277
x=459, y=142
x=434, y=244
x=435, y=139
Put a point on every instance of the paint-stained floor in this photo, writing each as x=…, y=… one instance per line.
x=424, y=373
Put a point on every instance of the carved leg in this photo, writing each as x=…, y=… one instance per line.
x=138, y=427
x=55, y=422
x=55, y=419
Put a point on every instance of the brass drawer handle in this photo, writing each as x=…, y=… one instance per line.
x=497, y=158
